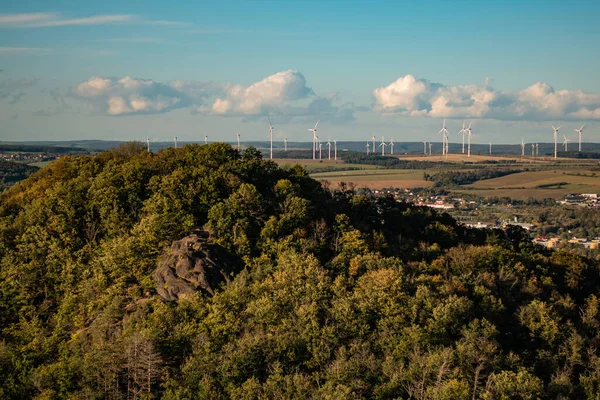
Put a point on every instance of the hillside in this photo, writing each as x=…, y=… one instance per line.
x=200, y=272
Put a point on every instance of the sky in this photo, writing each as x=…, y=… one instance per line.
x=72, y=70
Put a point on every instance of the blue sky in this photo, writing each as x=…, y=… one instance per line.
x=81, y=70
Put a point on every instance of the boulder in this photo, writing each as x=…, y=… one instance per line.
x=192, y=264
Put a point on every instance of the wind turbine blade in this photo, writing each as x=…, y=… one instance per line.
x=582, y=127
x=553, y=127
x=317, y=124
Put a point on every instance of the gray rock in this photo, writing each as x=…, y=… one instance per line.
x=193, y=264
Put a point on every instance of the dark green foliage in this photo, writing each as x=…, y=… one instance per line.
x=11, y=172
x=454, y=178
x=342, y=295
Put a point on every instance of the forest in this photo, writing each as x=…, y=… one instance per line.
x=205, y=273
x=448, y=179
x=11, y=172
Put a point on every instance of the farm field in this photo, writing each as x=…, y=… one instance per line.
x=537, y=184
x=316, y=165
x=540, y=179
x=376, y=179
x=40, y=164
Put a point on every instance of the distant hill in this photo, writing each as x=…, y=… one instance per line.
x=359, y=146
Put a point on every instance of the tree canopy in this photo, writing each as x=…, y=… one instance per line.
x=340, y=296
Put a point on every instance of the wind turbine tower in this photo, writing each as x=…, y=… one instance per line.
x=537, y=149
x=373, y=139
x=430, y=145
x=271, y=136
x=463, y=131
x=425, y=148
x=238, y=139
x=532, y=149
x=205, y=139
x=314, y=131
x=285, y=143
x=368, y=148
x=320, y=149
x=580, y=131
x=335, y=149
x=444, y=133
x=556, y=140
x=566, y=143
x=382, y=145
x=329, y=149
x=148, y=143
x=522, y=147
x=490, y=148
x=392, y=145
x=469, y=140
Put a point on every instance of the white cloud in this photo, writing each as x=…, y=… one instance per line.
x=40, y=20
x=11, y=50
x=128, y=96
x=420, y=97
x=272, y=93
x=284, y=94
x=12, y=19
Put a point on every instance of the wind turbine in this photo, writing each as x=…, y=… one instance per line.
x=580, y=131
x=320, y=148
x=368, y=148
x=425, y=148
x=430, y=144
x=175, y=137
x=490, y=148
x=532, y=149
x=522, y=147
x=566, y=143
x=285, y=143
x=271, y=136
x=205, y=139
x=148, y=143
x=238, y=139
x=556, y=140
x=335, y=149
x=314, y=131
x=382, y=145
x=373, y=148
x=537, y=149
x=444, y=133
x=469, y=140
x=392, y=145
x=463, y=131
x=329, y=148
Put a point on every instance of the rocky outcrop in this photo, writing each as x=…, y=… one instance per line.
x=192, y=264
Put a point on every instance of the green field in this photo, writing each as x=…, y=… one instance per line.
x=553, y=183
x=376, y=179
x=40, y=164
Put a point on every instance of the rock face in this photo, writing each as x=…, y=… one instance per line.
x=193, y=264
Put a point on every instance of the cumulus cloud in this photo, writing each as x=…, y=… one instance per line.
x=420, y=97
x=270, y=94
x=284, y=94
x=129, y=96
